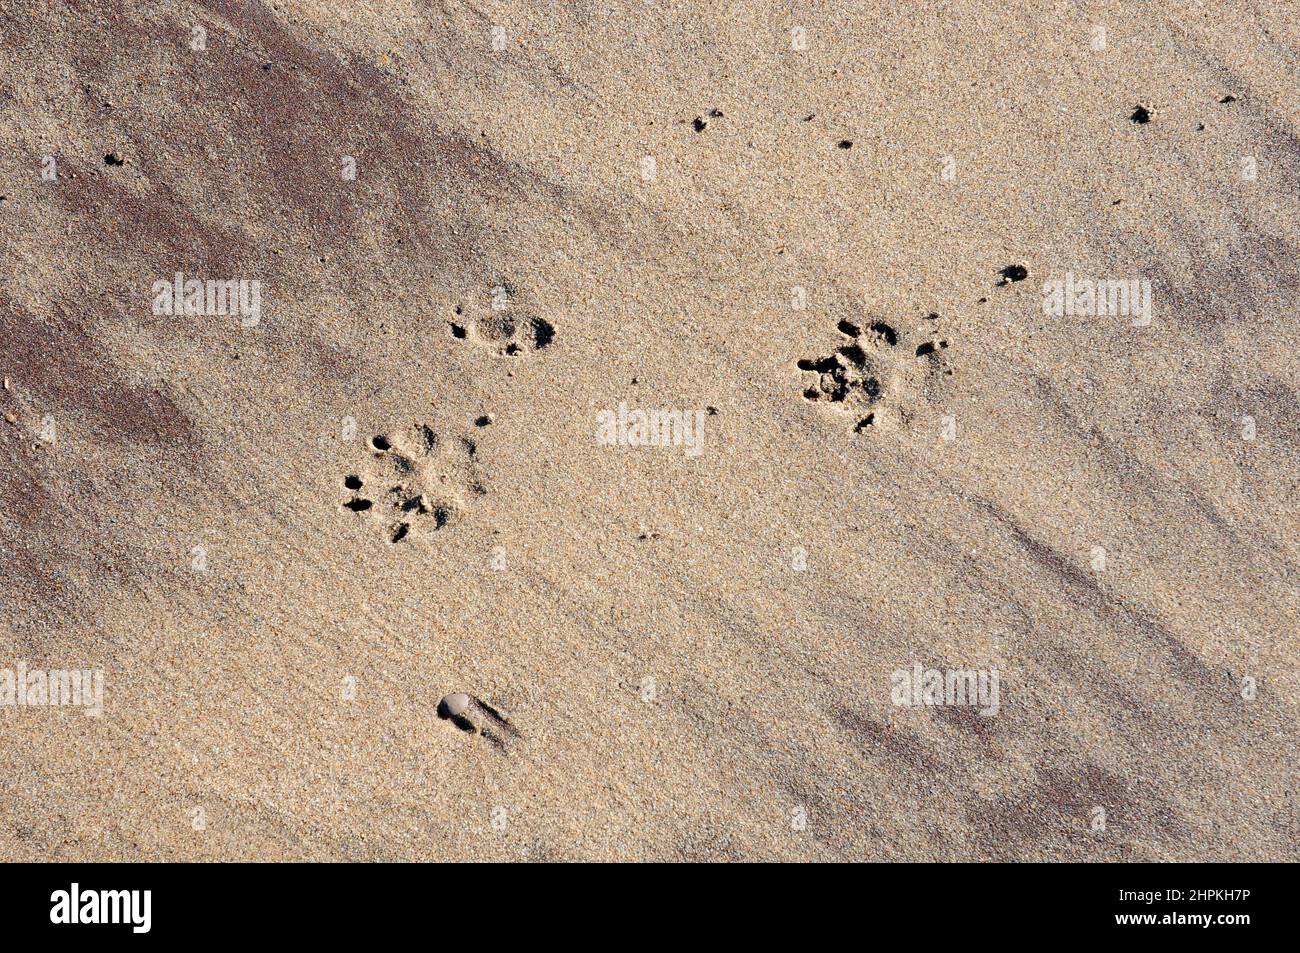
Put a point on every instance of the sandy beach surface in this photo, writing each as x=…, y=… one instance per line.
x=838, y=252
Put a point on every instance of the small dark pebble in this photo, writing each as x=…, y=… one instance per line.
x=1141, y=116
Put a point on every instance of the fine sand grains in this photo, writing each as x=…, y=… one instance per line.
x=774, y=432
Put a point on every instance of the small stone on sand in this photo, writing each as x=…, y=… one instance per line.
x=453, y=705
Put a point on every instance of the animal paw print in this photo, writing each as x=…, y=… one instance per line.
x=413, y=483
x=503, y=326
x=874, y=366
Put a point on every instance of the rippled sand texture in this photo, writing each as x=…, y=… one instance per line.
x=794, y=224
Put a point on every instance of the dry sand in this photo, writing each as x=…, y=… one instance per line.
x=667, y=655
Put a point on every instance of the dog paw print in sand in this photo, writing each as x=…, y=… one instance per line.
x=471, y=714
x=501, y=324
x=876, y=371
x=414, y=483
